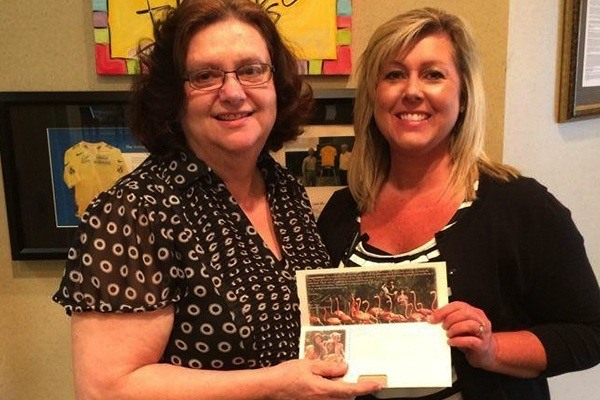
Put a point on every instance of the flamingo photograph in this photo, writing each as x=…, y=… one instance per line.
x=364, y=297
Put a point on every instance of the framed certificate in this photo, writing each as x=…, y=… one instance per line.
x=579, y=89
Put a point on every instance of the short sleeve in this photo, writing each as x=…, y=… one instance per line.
x=118, y=160
x=122, y=258
x=71, y=174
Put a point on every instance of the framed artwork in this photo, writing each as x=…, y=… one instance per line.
x=49, y=141
x=33, y=165
x=319, y=31
x=579, y=89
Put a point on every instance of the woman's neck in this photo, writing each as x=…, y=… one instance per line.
x=415, y=202
x=250, y=192
x=239, y=172
x=419, y=176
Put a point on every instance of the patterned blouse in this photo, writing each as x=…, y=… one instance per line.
x=171, y=233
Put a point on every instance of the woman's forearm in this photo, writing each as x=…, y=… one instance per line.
x=519, y=354
x=166, y=382
x=297, y=379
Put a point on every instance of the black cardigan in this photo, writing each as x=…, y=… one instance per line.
x=518, y=256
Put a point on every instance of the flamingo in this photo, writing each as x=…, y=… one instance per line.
x=377, y=311
x=402, y=298
x=413, y=316
x=352, y=303
x=345, y=318
x=366, y=304
x=419, y=306
x=420, y=309
x=360, y=316
x=330, y=320
x=434, y=304
x=390, y=316
x=314, y=320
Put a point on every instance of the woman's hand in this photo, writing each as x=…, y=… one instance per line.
x=316, y=379
x=468, y=329
x=519, y=354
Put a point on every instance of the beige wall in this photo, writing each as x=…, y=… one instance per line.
x=47, y=46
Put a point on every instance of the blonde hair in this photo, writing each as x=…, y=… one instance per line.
x=371, y=153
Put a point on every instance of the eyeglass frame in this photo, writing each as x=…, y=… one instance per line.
x=224, y=72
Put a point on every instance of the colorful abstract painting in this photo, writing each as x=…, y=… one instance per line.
x=318, y=30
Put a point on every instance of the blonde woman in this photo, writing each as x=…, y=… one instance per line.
x=421, y=188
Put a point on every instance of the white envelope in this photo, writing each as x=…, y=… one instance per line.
x=374, y=318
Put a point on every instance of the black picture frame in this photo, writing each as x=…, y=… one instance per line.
x=24, y=120
x=576, y=101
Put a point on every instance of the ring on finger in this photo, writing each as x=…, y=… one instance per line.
x=480, y=329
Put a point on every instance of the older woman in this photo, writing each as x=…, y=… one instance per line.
x=524, y=301
x=180, y=283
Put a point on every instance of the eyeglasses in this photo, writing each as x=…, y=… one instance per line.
x=209, y=79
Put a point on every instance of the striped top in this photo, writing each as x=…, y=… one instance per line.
x=363, y=254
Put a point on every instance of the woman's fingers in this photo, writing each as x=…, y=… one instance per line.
x=316, y=379
x=468, y=329
x=329, y=369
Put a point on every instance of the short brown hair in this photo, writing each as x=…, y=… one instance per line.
x=158, y=94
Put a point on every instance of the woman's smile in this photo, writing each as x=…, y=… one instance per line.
x=413, y=116
x=232, y=116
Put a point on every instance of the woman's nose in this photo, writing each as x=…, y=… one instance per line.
x=413, y=90
x=232, y=90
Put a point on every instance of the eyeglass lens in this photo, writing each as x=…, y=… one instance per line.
x=247, y=75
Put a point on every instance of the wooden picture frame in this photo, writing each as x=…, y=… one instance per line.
x=27, y=120
x=579, y=87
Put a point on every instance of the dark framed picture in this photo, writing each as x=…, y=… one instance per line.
x=320, y=157
x=60, y=149
x=36, y=130
x=579, y=89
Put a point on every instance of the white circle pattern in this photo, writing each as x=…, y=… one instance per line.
x=172, y=234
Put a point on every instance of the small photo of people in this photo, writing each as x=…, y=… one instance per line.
x=324, y=163
x=325, y=345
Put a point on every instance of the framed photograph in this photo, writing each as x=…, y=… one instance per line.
x=60, y=149
x=85, y=162
x=579, y=89
x=320, y=157
x=325, y=344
